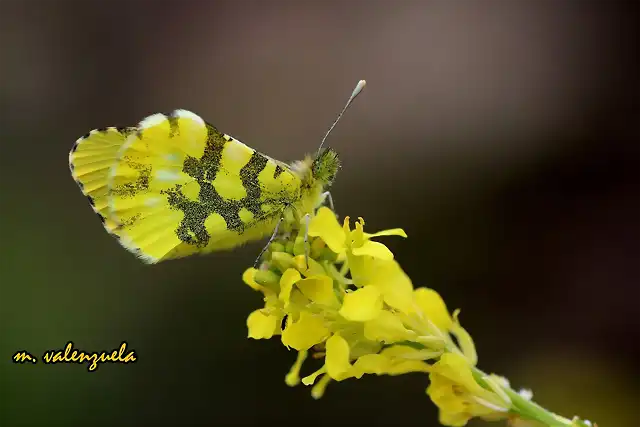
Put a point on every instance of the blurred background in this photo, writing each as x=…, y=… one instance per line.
x=503, y=136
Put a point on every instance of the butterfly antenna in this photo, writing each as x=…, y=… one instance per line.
x=355, y=93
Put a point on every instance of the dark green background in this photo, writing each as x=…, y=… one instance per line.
x=503, y=136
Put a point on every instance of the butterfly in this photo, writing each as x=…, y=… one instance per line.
x=175, y=186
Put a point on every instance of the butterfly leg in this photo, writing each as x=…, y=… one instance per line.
x=326, y=196
x=307, y=248
x=273, y=236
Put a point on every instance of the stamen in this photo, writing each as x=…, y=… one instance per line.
x=489, y=404
x=293, y=377
x=317, y=391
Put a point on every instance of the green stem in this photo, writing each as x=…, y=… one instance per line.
x=524, y=408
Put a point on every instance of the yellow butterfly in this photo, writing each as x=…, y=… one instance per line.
x=174, y=185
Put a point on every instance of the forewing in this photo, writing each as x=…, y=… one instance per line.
x=180, y=187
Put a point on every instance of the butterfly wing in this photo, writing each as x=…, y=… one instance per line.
x=90, y=161
x=178, y=187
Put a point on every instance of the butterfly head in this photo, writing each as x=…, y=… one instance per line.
x=325, y=166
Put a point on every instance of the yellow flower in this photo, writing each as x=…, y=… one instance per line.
x=362, y=305
x=351, y=304
x=430, y=308
x=459, y=397
x=261, y=324
x=387, y=328
x=341, y=239
x=393, y=360
x=265, y=322
x=387, y=276
x=292, y=297
x=360, y=325
x=429, y=304
x=305, y=332
x=371, y=263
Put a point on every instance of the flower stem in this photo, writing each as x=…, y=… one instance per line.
x=527, y=409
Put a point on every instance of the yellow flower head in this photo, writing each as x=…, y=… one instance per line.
x=459, y=397
x=351, y=305
x=341, y=239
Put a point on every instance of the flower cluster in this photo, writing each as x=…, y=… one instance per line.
x=350, y=303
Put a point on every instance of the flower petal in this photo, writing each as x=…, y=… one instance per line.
x=288, y=279
x=465, y=342
x=399, y=351
x=370, y=364
x=248, y=278
x=261, y=325
x=308, y=331
x=318, y=289
x=455, y=368
x=454, y=418
x=337, y=358
x=392, y=232
x=386, y=327
x=388, y=277
x=433, y=308
x=362, y=305
x=406, y=366
x=318, y=248
x=396, y=286
x=374, y=249
x=315, y=268
x=457, y=394
x=325, y=225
